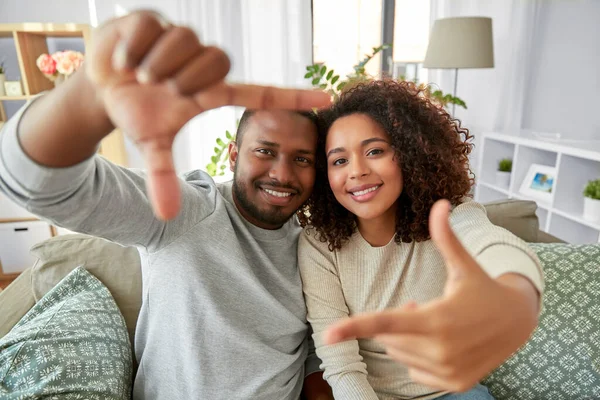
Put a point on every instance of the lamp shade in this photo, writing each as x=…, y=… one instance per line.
x=462, y=42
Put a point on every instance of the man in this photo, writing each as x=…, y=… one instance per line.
x=223, y=315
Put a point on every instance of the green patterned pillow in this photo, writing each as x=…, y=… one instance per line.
x=562, y=358
x=72, y=344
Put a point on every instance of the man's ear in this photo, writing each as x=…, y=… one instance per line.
x=233, y=155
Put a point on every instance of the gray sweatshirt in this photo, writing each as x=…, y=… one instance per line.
x=223, y=315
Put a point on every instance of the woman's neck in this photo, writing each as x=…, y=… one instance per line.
x=378, y=231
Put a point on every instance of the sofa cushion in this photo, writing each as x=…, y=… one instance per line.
x=117, y=267
x=15, y=301
x=72, y=343
x=517, y=216
x=562, y=358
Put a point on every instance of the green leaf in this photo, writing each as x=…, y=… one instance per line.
x=323, y=86
x=341, y=86
x=316, y=81
x=308, y=75
x=216, y=149
x=335, y=79
x=223, y=167
x=322, y=71
x=309, y=67
x=220, y=142
x=228, y=135
x=329, y=74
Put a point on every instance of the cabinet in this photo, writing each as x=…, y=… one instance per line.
x=576, y=163
x=25, y=42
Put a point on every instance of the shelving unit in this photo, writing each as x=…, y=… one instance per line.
x=576, y=163
x=30, y=41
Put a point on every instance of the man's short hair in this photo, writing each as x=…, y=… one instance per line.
x=247, y=115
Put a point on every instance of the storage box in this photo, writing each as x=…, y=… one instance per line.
x=15, y=241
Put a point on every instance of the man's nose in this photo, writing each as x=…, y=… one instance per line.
x=282, y=171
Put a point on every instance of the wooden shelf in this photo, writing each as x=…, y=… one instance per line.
x=8, y=98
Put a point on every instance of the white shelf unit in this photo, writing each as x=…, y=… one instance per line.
x=576, y=163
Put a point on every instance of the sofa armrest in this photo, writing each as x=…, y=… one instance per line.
x=544, y=237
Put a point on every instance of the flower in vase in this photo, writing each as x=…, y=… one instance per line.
x=61, y=64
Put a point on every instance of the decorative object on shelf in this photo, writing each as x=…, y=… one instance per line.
x=503, y=173
x=60, y=65
x=539, y=183
x=460, y=42
x=2, y=78
x=13, y=88
x=591, y=201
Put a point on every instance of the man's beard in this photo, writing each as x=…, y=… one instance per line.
x=274, y=217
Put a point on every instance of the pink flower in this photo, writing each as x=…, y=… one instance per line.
x=67, y=62
x=46, y=64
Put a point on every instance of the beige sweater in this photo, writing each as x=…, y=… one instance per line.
x=361, y=278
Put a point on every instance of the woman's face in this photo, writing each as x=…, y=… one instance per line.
x=363, y=172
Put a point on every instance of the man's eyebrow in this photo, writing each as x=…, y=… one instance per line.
x=267, y=143
x=363, y=144
x=307, y=152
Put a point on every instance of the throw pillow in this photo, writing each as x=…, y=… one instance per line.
x=562, y=358
x=72, y=344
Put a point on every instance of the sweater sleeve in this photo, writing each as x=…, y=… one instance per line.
x=342, y=363
x=496, y=250
x=97, y=197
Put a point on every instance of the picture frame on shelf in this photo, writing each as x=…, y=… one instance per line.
x=13, y=88
x=539, y=183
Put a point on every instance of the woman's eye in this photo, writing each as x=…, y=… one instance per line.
x=374, y=152
x=339, y=161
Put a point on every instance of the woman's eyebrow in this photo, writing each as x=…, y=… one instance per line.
x=363, y=144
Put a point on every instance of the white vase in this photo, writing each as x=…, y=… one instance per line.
x=502, y=179
x=591, y=209
x=2, y=80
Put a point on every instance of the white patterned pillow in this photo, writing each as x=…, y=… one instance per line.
x=72, y=344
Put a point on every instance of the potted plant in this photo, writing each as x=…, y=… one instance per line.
x=2, y=79
x=591, y=201
x=503, y=173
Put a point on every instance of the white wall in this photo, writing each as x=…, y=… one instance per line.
x=564, y=92
x=59, y=11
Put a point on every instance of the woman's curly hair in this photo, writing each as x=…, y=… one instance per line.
x=431, y=148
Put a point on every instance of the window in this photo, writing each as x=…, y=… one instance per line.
x=344, y=31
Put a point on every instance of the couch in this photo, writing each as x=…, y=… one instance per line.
x=119, y=269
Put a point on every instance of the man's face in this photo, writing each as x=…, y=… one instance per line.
x=274, y=167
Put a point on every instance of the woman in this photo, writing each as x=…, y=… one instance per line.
x=387, y=154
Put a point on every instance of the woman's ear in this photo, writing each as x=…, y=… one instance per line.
x=233, y=155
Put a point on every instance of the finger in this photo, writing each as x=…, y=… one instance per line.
x=458, y=260
x=138, y=32
x=261, y=97
x=121, y=43
x=162, y=184
x=411, y=360
x=420, y=346
x=373, y=324
x=173, y=50
x=206, y=69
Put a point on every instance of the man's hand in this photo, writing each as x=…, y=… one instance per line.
x=153, y=77
x=453, y=342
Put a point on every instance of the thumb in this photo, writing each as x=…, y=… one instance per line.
x=458, y=261
x=162, y=183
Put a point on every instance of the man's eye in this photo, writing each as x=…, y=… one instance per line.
x=304, y=160
x=265, y=151
x=339, y=161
